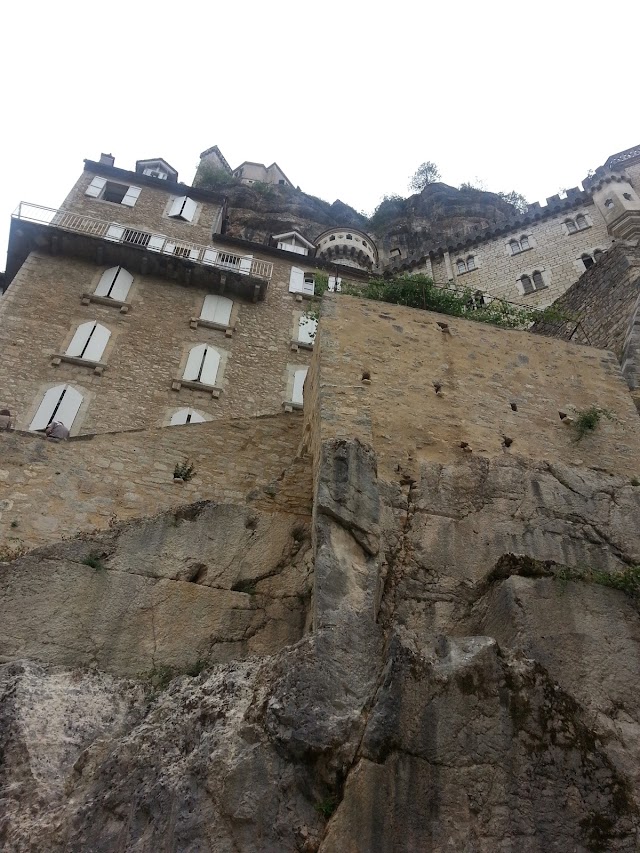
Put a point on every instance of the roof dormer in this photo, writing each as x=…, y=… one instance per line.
x=157, y=168
x=292, y=241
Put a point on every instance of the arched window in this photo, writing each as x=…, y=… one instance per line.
x=58, y=404
x=216, y=309
x=514, y=246
x=571, y=226
x=298, y=385
x=527, y=286
x=587, y=260
x=581, y=222
x=460, y=264
x=538, y=281
x=471, y=262
x=115, y=284
x=186, y=416
x=524, y=242
x=333, y=237
x=202, y=365
x=628, y=196
x=349, y=237
x=89, y=341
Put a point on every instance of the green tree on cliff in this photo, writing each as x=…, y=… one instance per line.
x=427, y=173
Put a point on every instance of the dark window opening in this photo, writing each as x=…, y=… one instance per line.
x=114, y=192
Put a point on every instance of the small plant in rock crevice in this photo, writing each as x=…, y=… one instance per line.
x=586, y=421
x=94, y=560
x=327, y=806
x=184, y=470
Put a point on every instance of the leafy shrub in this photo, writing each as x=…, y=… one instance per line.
x=184, y=470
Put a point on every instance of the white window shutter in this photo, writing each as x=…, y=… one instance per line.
x=245, y=264
x=179, y=417
x=79, y=340
x=156, y=242
x=217, y=309
x=210, y=256
x=45, y=409
x=176, y=206
x=131, y=196
x=189, y=209
x=194, y=361
x=210, y=367
x=296, y=280
x=115, y=233
x=298, y=385
x=97, y=343
x=307, y=326
x=169, y=248
x=68, y=408
x=95, y=187
x=106, y=280
x=121, y=285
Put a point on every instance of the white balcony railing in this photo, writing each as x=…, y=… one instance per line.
x=116, y=233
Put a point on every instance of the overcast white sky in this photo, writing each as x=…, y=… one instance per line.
x=348, y=97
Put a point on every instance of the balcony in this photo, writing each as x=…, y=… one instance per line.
x=36, y=228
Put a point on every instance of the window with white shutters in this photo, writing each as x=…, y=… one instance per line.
x=335, y=283
x=114, y=284
x=109, y=191
x=89, y=341
x=202, y=365
x=186, y=416
x=298, y=385
x=58, y=404
x=301, y=282
x=216, y=309
x=183, y=208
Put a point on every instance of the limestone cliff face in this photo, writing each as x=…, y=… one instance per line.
x=255, y=214
x=462, y=677
x=439, y=215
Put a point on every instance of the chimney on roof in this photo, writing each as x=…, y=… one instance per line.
x=107, y=159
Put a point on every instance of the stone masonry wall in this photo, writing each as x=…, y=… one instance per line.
x=481, y=371
x=50, y=490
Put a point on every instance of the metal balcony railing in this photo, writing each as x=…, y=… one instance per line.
x=79, y=223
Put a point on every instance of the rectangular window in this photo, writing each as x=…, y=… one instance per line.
x=113, y=192
x=301, y=282
x=183, y=208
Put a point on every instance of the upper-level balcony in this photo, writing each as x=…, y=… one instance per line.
x=62, y=232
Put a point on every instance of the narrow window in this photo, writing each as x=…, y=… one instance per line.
x=89, y=341
x=298, y=385
x=202, y=365
x=333, y=237
x=581, y=222
x=217, y=309
x=627, y=196
x=460, y=264
x=186, y=416
x=307, y=326
x=114, y=283
x=538, y=281
x=349, y=237
x=471, y=262
x=527, y=286
x=571, y=226
x=183, y=208
x=588, y=261
x=60, y=404
x=524, y=243
x=514, y=246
